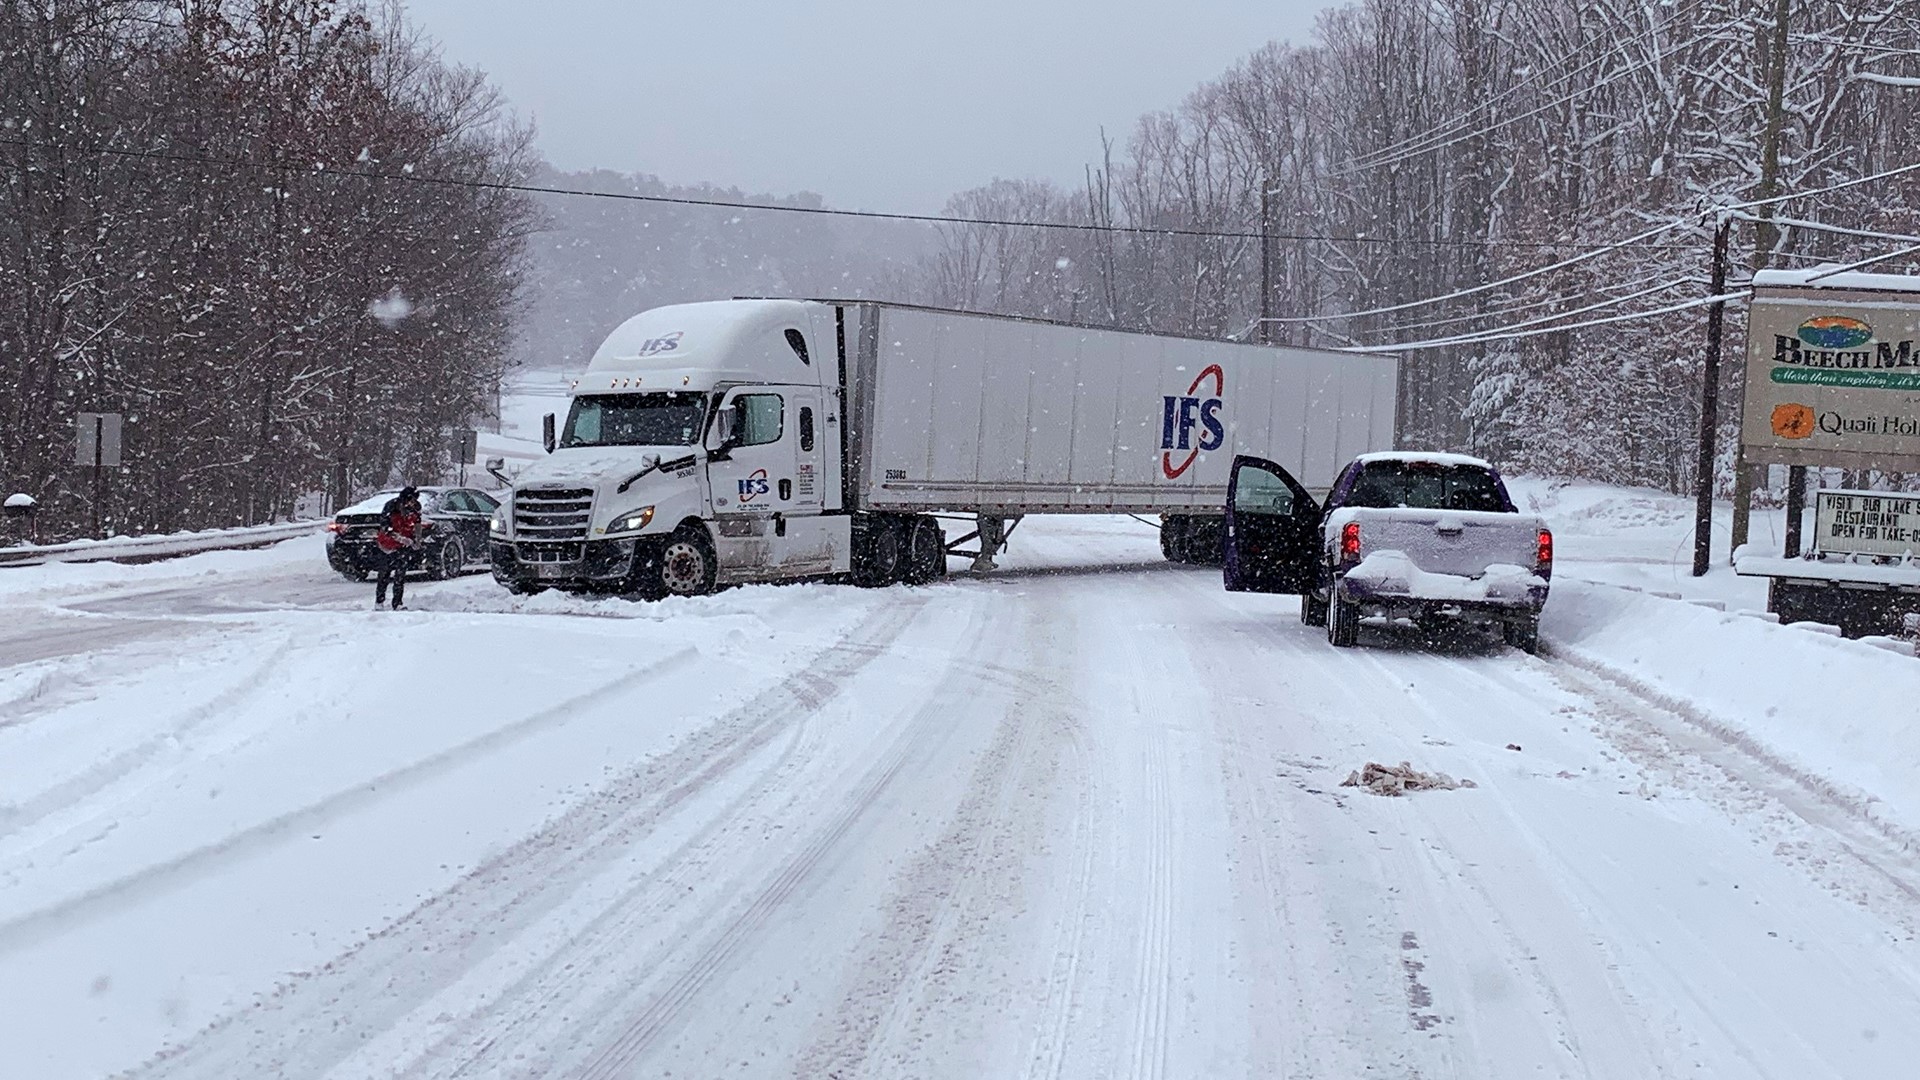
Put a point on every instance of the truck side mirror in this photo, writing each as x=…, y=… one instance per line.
x=546, y=432
x=494, y=467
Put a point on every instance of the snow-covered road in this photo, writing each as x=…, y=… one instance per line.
x=1078, y=819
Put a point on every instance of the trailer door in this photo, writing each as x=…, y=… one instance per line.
x=1273, y=529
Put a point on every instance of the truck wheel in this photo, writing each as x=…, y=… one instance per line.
x=1343, y=622
x=1313, y=610
x=685, y=565
x=926, y=552
x=876, y=555
x=1523, y=633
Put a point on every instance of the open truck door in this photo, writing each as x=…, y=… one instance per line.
x=1273, y=530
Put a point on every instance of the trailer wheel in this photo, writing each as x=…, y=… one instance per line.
x=1173, y=538
x=876, y=554
x=1343, y=622
x=926, y=552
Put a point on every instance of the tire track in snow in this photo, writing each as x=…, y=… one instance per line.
x=174, y=741
x=1839, y=819
x=950, y=909
x=318, y=1020
x=140, y=886
x=1048, y=1055
x=1155, y=978
x=665, y=1007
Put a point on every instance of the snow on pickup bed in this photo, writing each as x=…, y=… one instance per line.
x=1464, y=545
x=1392, y=573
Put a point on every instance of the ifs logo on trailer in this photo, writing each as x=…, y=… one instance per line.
x=1181, y=414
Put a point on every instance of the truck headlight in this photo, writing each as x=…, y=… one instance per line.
x=498, y=526
x=630, y=522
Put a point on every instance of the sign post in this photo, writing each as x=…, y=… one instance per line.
x=469, y=446
x=97, y=443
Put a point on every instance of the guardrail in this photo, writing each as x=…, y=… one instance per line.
x=151, y=548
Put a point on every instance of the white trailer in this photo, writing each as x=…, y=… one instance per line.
x=753, y=440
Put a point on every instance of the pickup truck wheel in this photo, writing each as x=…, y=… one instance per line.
x=926, y=552
x=685, y=566
x=1343, y=622
x=1523, y=633
x=1313, y=610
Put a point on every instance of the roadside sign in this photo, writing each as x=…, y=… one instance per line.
x=1867, y=523
x=469, y=446
x=97, y=434
x=1833, y=370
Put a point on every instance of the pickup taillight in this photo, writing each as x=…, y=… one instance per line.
x=1350, y=541
x=1543, y=555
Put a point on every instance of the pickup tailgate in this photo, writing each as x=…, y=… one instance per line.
x=1462, y=543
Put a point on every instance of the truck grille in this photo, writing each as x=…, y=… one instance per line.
x=554, y=514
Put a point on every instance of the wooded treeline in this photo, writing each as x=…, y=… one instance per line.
x=213, y=221
x=1444, y=144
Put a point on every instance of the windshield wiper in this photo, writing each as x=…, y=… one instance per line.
x=656, y=465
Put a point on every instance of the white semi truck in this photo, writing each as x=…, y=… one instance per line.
x=769, y=440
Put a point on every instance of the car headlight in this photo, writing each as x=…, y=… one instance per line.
x=498, y=526
x=632, y=522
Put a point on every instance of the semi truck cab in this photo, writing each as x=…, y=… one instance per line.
x=703, y=446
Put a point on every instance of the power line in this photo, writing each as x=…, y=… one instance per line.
x=929, y=219
x=1500, y=335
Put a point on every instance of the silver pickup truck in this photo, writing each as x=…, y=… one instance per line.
x=1430, y=539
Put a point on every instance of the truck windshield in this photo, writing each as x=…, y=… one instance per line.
x=662, y=419
x=1427, y=485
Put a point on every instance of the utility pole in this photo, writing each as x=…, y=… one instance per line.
x=1765, y=235
x=1710, y=405
x=1266, y=261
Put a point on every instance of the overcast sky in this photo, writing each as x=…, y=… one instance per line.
x=875, y=104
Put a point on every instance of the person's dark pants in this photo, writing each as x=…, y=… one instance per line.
x=392, y=565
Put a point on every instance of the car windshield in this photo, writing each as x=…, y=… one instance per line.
x=1427, y=485
x=662, y=419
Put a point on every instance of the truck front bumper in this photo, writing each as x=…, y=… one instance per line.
x=592, y=564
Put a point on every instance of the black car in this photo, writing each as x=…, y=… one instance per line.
x=458, y=539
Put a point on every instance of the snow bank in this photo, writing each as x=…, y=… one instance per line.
x=1839, y=714
x=159, y=545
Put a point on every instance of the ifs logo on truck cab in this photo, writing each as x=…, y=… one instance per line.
x=1181, y=413
x=753, y=485
x=663, y=343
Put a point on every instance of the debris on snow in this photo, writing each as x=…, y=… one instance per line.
x=1513, y=746
x=1400, y=779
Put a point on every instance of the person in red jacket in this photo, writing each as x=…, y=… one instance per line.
x=402, y=531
